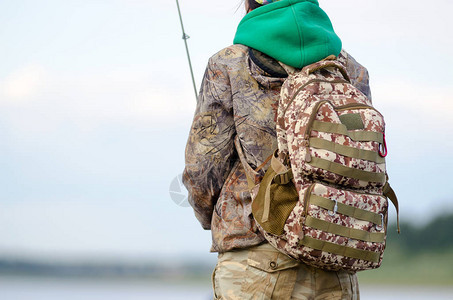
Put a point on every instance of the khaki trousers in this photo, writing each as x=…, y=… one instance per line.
x=262, y=272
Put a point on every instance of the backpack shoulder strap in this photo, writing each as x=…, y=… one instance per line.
x=251, y=174
x=290, y=70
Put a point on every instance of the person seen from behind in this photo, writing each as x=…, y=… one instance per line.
x=238, y=100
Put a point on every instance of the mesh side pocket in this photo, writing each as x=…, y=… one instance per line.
x=283, y=199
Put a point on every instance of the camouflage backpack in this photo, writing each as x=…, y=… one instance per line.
x=323, y=200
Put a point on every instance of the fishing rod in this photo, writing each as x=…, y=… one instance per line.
x=185, y=37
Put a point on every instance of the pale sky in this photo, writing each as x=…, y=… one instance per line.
x=96, y=102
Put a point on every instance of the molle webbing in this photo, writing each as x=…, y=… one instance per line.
x=356, y=135
x=347, y=150
x=357, y=234
x=340, y=250
x=347, y=171
x=347, y=210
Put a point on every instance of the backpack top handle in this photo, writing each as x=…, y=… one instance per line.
x=328, y=62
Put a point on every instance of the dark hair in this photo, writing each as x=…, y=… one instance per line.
x=253, y=4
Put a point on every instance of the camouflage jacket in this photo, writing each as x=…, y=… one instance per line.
x=238, y=99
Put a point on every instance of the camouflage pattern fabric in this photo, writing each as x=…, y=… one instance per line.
x=262, y=272
x=315, y=106
x=238, y=98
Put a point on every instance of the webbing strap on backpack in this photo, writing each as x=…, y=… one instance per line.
x=340, y=250
x=357, y=234
x=390, y=193
x=347, y=210
x=346, y=150
x=356, y=135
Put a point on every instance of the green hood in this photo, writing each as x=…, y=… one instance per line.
x=295, y=32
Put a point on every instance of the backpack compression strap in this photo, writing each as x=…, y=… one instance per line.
x=390, y=193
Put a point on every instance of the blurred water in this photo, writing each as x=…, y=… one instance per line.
x=16, y=288
x=48, y=289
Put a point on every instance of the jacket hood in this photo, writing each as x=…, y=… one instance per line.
x=295, y=32
x=265, y=70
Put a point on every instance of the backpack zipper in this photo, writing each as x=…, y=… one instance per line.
x=310, y=82
x=306, y=197
x=355, y=106
x=306, y=142
x=313, y=115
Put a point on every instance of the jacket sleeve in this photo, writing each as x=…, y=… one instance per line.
x=210, y=145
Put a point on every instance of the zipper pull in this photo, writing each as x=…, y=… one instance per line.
x=335, y=208
x=307, y=151
x=308, y=156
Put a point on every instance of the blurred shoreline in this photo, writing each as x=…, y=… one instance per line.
x=190, y=271
x=420, y=255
